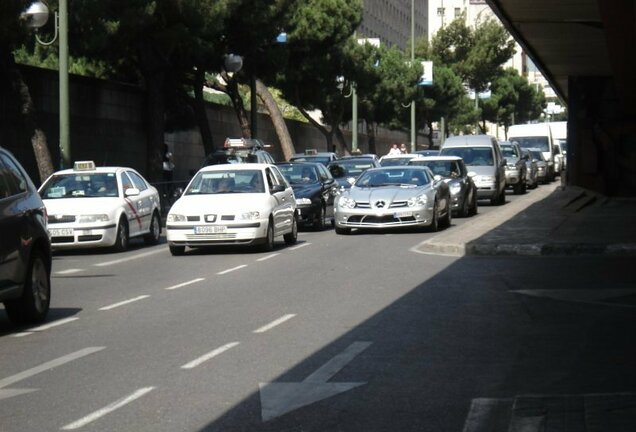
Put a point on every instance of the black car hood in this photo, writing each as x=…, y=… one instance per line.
x=306, y=190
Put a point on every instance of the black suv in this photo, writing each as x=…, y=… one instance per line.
x=25, y=248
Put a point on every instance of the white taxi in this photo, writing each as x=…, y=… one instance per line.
x=233, y=204
x=92, y=206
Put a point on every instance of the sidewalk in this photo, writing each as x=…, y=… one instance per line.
x=548, y=221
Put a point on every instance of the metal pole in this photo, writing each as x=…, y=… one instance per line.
x=65, y=142
x=413, y=136
x=253, y=108
x=354, y=118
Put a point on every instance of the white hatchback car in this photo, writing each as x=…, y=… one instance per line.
x=233, y=204
x=100, y=207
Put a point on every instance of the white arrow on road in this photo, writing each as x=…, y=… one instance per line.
x=280, y=398
x=5, y=382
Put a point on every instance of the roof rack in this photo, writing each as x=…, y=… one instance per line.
x=243, y=143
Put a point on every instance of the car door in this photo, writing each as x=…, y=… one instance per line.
x=14, y=226
x=285, y=207
x=329, y=189
x=146, y=201
x=132, y=205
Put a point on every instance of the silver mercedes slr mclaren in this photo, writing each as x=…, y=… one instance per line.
x=391, y=197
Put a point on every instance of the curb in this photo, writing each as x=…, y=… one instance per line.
x=531, y=249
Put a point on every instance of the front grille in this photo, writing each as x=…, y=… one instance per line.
x=62, y=239
x=63, y=219
x=227, y=217
x=398, y=204
x=387, y=219
x=219, y=236
x=86, y=238
x=362, y=204
x=194, y=218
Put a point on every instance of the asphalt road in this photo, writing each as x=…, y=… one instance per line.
x=336, y=333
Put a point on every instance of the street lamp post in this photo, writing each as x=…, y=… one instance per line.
x=413, y=62
x=37, y=15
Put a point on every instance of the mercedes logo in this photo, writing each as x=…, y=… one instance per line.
x=380, y=204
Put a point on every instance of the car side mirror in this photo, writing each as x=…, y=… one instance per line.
x=437, y=178
x=277, y=188
x=132, y=192
x=471, y=174
x=328, y=181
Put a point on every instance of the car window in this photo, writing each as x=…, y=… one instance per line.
x=16, y=180
x=407, y=177
x=126, y=182
x=324, y=173
x=5, y=187
x=226, y=182
x=137, y=180
x=271, y=180
x=280, y=179
x=76, y=185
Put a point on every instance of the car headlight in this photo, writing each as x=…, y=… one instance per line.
x=252, y=215
x=92, y=218
x=303, y=201
x=541, y=168
x=347, y=202
x=512, y=167
x=455, y=188
x=175, y=218
x=419, y=200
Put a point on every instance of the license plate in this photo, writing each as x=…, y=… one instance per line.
x=61, y=232
x=210, y=229
x=402, y=214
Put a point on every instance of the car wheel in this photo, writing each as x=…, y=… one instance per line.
x=465, y=211
x=473, y=207
x=291, y=237
x=152, y=238
x=319, y=223
x=269, y=238
x=177, y=250
x=446, y=221
x=434, y=226
x=342, y=231
x=494, y=200
x=121, y=241
x=33, y=305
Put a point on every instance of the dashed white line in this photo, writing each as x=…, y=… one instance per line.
x=232, y=269
x=173, y=287
x=122, y=303
x=268, y=257
x=210, y=355
x=299, y=246
x=274, y=323
x=128, y=258
x=69, y=271
x=45, y=327
x=108, y=409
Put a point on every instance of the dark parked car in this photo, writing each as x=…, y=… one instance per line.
x=346, y=170
x=25, y=248
x=460, y=181
x=314, y=189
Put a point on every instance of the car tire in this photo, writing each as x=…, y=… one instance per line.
x=465, y=210
x=176, y=250
x=342, y=231
x=268, y=245
x=292, y=237
x=434, y=226
x=33, y=304
x=502, y=197
x=152, y=238
x=495, y=200
x=473, y=207
x=319, y=223
x=123, y=236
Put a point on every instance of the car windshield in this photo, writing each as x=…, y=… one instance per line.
x=318, y=159
x=444, y=168
x=537, y=154
x=350, y=168
x=473, y=156
x=509, y=152
x=540, y=142
x=226, y=182
x=300, y=174
x=407, y=177
x=563, y=144
x=394, y=161
x=85, y=185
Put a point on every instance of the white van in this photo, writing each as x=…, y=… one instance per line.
x=486, y=165
x=536, y=135
x=560, y=138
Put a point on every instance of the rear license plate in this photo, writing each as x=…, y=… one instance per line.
x=402, y=214
x=210, y=229
x=61, y=232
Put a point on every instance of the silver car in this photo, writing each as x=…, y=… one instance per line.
x=394, y=197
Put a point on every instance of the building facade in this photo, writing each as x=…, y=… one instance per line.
x=390, y=21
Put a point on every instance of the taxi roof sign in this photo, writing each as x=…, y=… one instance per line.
x=311, y=152
x=243, y=143
x=84, y=166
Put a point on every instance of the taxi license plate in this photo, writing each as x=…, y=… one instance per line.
x=61, y=232
x=402, y=214
x=211, y=229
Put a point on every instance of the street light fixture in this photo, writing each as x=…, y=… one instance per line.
x=37, y=15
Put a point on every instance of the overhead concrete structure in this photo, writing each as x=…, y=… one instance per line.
x=587, y=51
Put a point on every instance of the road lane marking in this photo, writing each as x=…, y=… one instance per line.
x=132, y=257
x=46, y=326
x=268, y=257
x=108, y=409
x=181, y=285
x=48, y=365
x=210, y=355
x=122, y=303
x=232, y=269
x=274, y=323
x=69, y=271
x=299, y=246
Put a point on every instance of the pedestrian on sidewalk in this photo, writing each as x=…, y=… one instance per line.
x=167, y=169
